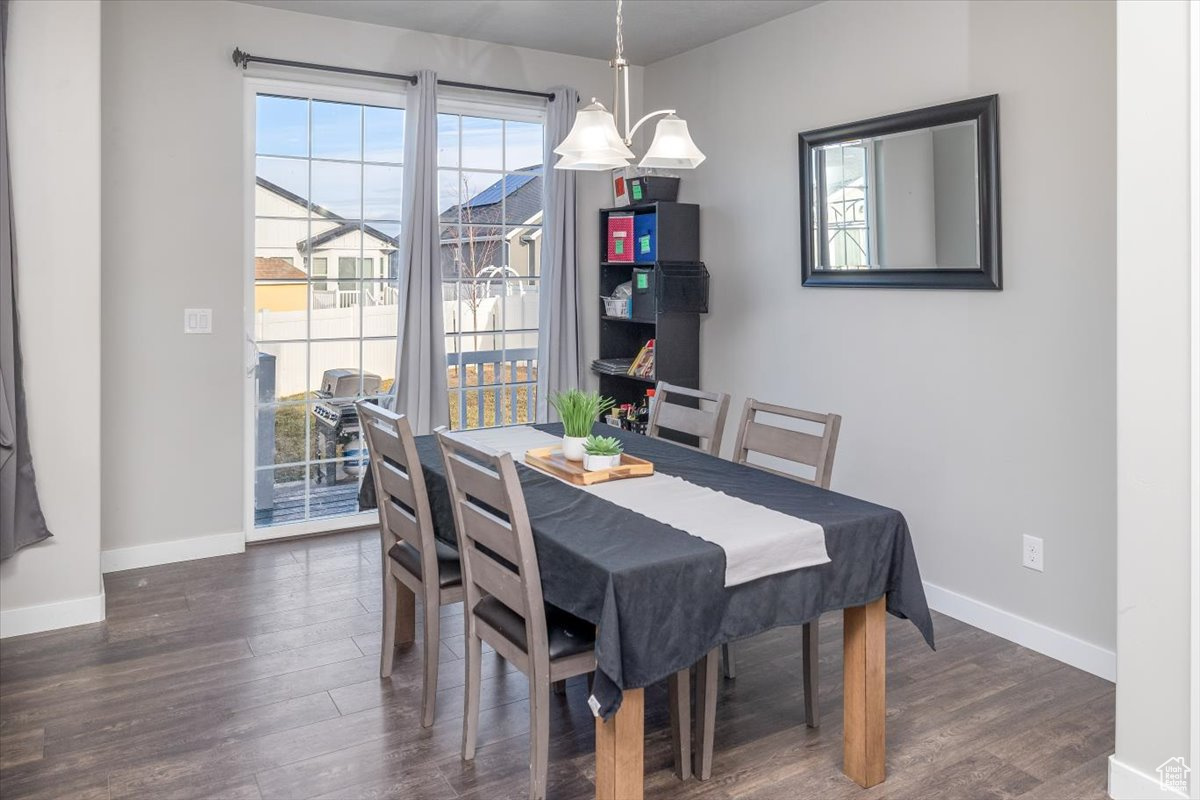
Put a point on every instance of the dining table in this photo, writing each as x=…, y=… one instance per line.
x=662, y=601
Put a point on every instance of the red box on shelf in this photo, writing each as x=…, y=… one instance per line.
x=620, y=237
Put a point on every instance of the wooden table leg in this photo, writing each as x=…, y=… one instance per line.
x=864, y=674
x=619, y=741
x=406, y=614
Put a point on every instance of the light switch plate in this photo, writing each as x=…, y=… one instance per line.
x=197, y=320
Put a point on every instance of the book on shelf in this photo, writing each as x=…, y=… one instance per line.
x=643, y=365
x=612, y=366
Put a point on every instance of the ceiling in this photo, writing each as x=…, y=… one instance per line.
x=654, y=29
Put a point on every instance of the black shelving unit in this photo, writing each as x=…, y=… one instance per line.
x=676, y=334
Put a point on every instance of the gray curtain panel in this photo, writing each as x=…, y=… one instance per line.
x=21, y=520
x=558, y=338
x=420, y=387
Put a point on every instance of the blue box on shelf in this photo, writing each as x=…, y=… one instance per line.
x=645, y=237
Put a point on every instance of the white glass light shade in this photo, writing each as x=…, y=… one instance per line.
x=594, y=135
x=672, y=147
x=592, y=162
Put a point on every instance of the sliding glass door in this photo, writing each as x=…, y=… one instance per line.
x=490, y=208
x=327, y=212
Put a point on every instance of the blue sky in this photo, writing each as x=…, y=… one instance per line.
x=353, y=132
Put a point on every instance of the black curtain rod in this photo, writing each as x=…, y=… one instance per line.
x=244, y=60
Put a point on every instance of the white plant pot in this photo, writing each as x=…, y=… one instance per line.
x=593, y=463
x=573, y=448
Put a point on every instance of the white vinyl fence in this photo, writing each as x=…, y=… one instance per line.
x=334, y=336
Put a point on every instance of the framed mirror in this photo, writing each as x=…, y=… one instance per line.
x=909, y=200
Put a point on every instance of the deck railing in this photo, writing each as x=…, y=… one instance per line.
x=492, y=387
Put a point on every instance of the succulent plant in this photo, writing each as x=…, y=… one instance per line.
x=603, y=446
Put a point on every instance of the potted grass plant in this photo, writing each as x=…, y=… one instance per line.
x=601, y=452
x=578, y=410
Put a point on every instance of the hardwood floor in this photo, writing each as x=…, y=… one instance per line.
x=255, y=676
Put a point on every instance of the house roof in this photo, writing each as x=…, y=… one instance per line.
x=342, y=230
x=331, y=234
x=276, y=269
x=521, y=193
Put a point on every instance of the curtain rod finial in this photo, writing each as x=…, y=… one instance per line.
x=240, y=59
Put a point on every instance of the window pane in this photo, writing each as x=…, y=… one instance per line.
x=327, y=356
x=284, y=364
x=336, y=130
x=447, y=140
x=481, y=195
x=482, y=143
x=448, y=195
x=523, y=145
x=379, y=309
x=279, y=496
x=383, y=188
x=337, y=189
x=281, y=188
x=282, y=237
x=476, y=251
x=335, y=310
x=384, y=134
x=333, y=488
x=523, y=198
x=524, y=250
x=284, y=425
x=379, y=358
x=281, y=126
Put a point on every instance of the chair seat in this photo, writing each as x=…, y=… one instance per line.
x=568, y=635
x=449, y=569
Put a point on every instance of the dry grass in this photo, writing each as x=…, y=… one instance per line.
x=491, y=395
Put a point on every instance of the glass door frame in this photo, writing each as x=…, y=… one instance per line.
x=254, y=86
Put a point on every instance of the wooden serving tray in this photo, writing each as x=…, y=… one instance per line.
x=550, y=459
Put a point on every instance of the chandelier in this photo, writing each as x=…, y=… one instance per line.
x=595, y=143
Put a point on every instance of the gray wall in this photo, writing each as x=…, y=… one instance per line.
x=982, y=416
x=53, y=95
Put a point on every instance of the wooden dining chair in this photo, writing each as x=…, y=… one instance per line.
x=505, y=607
x=689, y=417
x=793, y=447
x=410, y=550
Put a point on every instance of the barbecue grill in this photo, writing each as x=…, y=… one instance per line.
x=337, y=421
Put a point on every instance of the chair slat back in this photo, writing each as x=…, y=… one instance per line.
x=707, y=424
x=404, y=513
x=494, y=535
x=790, y=445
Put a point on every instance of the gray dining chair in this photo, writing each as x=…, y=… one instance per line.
x=410, y=550
x=800, y=448
x=681, y=410
x=504, y=604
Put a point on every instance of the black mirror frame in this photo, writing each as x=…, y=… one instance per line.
x=982, y=110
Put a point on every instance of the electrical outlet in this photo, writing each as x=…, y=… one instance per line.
x=1031, y=553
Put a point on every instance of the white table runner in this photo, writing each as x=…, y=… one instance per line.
x=757, y=541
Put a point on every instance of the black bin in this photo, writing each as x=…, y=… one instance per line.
x=670, y=287
x=649, y=188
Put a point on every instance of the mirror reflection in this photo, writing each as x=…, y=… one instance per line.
x=908, y=200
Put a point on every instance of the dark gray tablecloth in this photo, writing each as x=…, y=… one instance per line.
x=657, y=594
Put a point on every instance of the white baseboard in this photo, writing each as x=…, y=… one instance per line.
x=52, y=616
x=149, y=555
x=1025, y=632
x=1127, y=783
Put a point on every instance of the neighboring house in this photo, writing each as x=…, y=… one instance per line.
x=278, y=285
x=327, y=246
x=479, y=245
